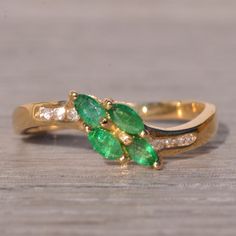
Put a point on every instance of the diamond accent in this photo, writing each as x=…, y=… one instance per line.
x=179, y=141
x=57, y=114
x=45, y=113
x=72, y=115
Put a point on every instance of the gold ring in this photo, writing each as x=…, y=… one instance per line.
x=122, y=131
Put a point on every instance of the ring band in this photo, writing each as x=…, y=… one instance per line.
x=200, y=123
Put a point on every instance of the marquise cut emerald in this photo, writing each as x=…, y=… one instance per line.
x=105, y=144
x=90, y=110
x=142, y=152
x=126, y=118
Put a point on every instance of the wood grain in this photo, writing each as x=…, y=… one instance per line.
x=131, y=50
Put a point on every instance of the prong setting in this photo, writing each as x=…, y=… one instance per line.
x=107, y=124
x=104, y=122
x=86, y=128
x=125, y=138
x=124, y=160
x=144, y=134
x=73, y=96
x=157, y=165
x=107, y=103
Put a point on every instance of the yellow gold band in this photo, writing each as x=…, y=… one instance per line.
x=200, y=122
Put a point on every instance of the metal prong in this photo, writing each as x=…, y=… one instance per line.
x=73, y=96
x=144, y=134
x=106, y=124
x=157, y=165
x=87, y=128
x=124, y=160
x=104, y=121
x=107, y=103
x=125, y=138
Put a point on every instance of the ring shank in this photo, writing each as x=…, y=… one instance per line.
x=200, y=119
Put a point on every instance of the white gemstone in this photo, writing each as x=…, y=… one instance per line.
x=45, y=113
x=72, y=114
x=174, y=142
x=159, y=144
x=167, y=142
x=59, y=113
x=180, y=141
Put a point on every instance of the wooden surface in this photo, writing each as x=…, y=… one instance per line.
x=130, y=50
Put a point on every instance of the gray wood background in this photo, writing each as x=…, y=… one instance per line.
x=130, y=50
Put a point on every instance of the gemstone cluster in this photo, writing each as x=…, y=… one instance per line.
x=115, y=131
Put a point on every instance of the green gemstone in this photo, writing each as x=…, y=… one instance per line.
x=105, y=144
x=90, y=110
x=126, y=118
x=142, y=152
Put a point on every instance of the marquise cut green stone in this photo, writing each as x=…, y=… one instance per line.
x=105, y=144
x=90, y=110
x=142, y=152
x=126, y=118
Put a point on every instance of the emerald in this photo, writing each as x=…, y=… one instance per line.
x=106, y=139
x=105, y=144
x=90, y=110
x=126, y=118
x=142, y=152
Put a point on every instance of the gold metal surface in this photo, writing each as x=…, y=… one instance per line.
x=199, y=119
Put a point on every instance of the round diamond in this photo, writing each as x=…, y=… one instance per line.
x=45, y=113
x=59, y=113
x=72, y=114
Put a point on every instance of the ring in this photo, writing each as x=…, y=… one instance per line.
x=122, y=131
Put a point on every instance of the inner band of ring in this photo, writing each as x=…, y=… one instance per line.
x=199, y=120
